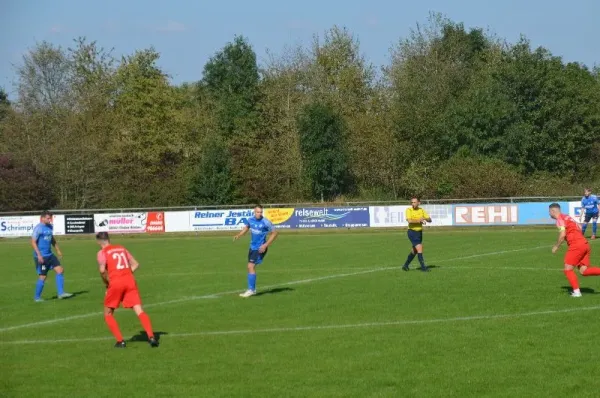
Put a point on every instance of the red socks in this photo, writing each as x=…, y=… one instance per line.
x=572, y=279
x=591, y=271
x=145, y=321
x=114, y=327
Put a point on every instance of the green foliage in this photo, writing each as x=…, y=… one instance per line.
x=231, y=79
x=322, y=143
x=213, y=181
x=22, y=187
x=466, y=176
x=456, y=113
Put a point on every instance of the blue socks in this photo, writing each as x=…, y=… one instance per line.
x=421, y=260
x=60, y=284
x=252, y=282
x=409, y=259
x=39, y=286
x=594, y=228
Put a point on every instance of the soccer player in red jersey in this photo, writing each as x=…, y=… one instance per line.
x=116, y=266
x=578, y=253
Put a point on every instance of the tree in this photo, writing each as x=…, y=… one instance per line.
x=4, y=104
x=322, y=143
x=21, y=187
x=231, y=79
x=213, y=182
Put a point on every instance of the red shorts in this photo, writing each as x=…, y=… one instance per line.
x=578, y=255
x=125, y=292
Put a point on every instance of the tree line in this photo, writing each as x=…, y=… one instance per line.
x=456, y=113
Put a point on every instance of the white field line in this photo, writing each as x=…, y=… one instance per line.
x=296, y=282
x=324, y=327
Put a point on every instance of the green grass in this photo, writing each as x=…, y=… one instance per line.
x=492, y=319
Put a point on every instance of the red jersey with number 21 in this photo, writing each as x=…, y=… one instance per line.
x=574, y=235
x=117, y=260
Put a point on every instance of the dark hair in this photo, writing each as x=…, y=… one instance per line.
x=554, y=206
x=258, y=206
x=415, y=197
x=102, y=236
x=46, y=213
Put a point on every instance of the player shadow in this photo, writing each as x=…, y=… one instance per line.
x=143, y=337
x=586, y=290
x=74, y=294
x=275, y=291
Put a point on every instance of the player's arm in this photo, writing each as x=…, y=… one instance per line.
x=426, y=216
x=133, y=263
x=55, y=244
x=272, y=236
x=34, y=238
x=102, y=268
x=243, y=232
x=561, y=238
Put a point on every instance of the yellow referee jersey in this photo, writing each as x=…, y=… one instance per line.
x=415, y=214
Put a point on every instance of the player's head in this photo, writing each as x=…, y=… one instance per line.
x=46, y=217
x=102, y=238
x=554, y=210
x=415, y=202
x=587, y=192
x=258, y=211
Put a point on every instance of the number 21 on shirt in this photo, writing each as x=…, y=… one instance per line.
x=121, y=259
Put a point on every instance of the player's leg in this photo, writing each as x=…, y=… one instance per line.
x=42, y=272
x=572, y=278
x=573, y=257
x=60, y=277
x=132, y=299
x=413, y=252
x=254, y=259
x=112, y=299
x=418, y=246
x=585, y=267
x=594, y=226
x=586, y=221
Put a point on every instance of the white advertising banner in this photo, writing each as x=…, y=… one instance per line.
x=395, y=216
x=575, y=210
x=178, y=221
x=120, y=222
x=15, y=226
x=218, y=220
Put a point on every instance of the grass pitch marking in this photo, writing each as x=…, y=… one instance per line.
x=296, y=282
x=398, y=323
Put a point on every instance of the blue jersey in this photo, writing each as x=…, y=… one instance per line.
x=259, y=229
x=42, y=234
x=590, y=204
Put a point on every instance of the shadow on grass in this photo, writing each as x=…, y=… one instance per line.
x=275, y=291
x=582, y=289
x=74, y=294
x=143, y=337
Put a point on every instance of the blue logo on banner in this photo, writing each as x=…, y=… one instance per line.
x=321, y=217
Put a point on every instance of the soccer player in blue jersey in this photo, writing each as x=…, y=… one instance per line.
x=42, y=241
x=590, y=208
x=259, y=228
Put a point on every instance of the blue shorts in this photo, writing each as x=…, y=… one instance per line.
x=50, y=262
x=590, y=216
x=255, y=257
x=415, y=237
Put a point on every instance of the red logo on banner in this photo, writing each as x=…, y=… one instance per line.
x=155, y=222
x=502, y=214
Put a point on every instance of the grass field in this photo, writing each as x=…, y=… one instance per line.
x=335, y=317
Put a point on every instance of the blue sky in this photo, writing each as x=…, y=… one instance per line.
x=187, y=32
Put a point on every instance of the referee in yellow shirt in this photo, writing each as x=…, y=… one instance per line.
x=416, y=216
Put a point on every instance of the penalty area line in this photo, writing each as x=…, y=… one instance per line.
x=407, y=322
